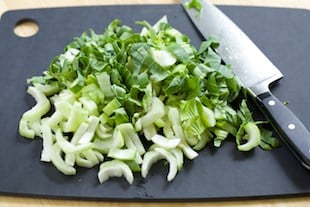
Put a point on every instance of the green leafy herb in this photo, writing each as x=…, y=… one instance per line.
x=268, y=142
x=195, y=4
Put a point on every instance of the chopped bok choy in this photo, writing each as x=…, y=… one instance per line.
x=125, y=100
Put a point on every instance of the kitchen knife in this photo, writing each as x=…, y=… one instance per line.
x=255, y=71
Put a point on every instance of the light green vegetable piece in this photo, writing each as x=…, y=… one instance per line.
x=59, y=163
x=41, y=108
x=152, y=157
x=252, y=136
x=162, y=57
x=114, y=168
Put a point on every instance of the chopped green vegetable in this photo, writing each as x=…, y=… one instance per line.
x=114, y=168
x=268, y=142
x=34, y=114
x=59, y=163
x=155, y=155
x=164, y=142
x=136, y=98
x=195, y=4
x=252, y=136
x=122, y=154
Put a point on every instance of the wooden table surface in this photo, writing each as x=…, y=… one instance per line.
x=16, y=201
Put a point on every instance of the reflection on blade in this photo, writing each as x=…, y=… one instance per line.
x=253, y=68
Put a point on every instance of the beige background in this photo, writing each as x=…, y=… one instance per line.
x=15, y=201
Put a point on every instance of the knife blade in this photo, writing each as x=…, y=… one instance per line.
x=255, y=71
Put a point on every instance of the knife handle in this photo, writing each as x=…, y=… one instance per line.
x=289, y=127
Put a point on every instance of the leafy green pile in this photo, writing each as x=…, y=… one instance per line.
x=127, y=100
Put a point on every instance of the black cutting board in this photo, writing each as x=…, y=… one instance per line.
x=224, y=173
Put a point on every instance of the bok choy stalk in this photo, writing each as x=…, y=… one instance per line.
x=125, y=100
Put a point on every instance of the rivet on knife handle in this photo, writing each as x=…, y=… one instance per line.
x=291, y=129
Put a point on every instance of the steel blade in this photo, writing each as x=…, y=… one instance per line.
x=252, y=67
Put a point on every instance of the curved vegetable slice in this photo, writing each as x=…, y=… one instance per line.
x=68, y=147
x=71, y=157
x=35, y=113
x=131, y=138
x=59, y=162
x=47, y=89
x=24, y=129
x=114, y=168
x=252, y=135
x=173, y=164
x=149, y=159
x=122, y=154
x=164, y=142
x=104, y=132
x=76, y=117
x=157, y=111
x=157, y=154
x=54, y=120
x=89, y=158
x=89, y=134
x=178, y=154
x=188, y=151
x=89, y=105
x=79, y=133
x=41, y=108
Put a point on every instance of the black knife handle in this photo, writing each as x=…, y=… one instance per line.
x=289, y=127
